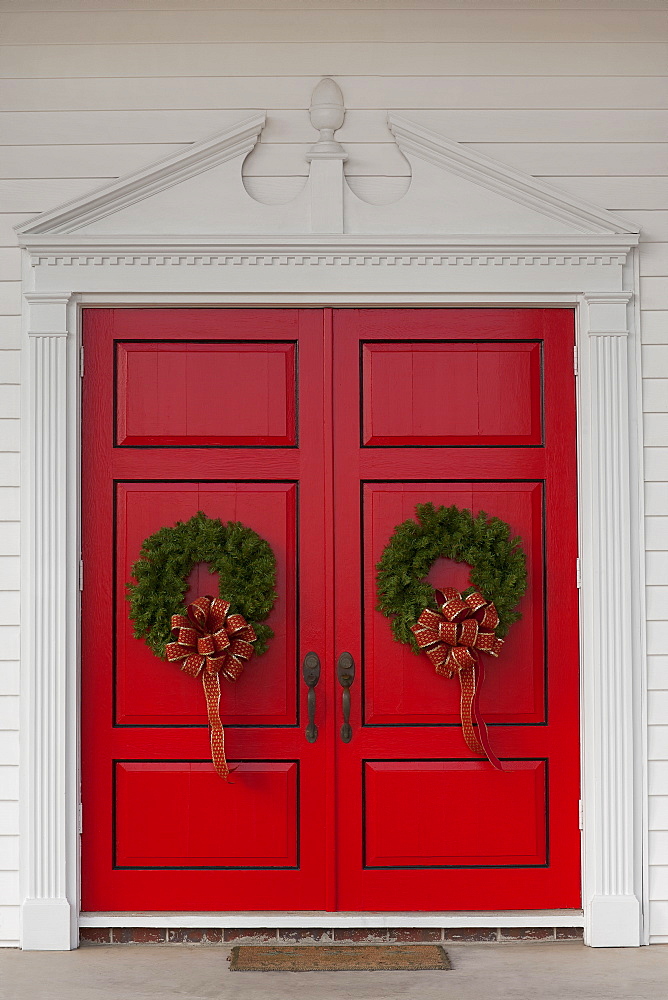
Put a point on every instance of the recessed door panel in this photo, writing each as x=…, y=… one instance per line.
x=401, y=687
x=460, y=813
x=152, y=692
x=198, y=821
x=489, y=393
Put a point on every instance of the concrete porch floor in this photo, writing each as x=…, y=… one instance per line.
x=555, y=971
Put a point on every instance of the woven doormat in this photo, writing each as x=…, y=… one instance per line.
x=339, y=958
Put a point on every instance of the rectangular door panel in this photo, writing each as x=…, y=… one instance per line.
x=451, y=393
x=401, y=687
x=151, y=692
x=198, y=821
x=205, y=394
x=461, y=813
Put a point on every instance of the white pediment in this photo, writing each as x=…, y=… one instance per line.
x=199, y=192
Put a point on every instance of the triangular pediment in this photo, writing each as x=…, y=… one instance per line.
x=199, y=192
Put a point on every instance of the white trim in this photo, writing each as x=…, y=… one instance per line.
x=321, y=918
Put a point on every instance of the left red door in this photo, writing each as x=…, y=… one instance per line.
x=170, y=427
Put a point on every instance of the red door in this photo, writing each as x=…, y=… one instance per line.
x=321, y=429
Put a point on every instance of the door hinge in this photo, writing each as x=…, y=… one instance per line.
x=578, y=573
x=580, y=816
x=576, y=369
x=81, y=361
x=80, y=818
x=81, y=574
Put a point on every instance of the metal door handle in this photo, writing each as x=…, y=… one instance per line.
x=311, y=675
x=345, y=671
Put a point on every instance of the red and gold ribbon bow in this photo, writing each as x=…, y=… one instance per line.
x=452, y=640
x=212, y=642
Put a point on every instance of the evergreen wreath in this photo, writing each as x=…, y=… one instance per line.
x=497, y=560
x=245, y=563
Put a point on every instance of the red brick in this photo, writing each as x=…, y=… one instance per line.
x=569, y=933
x=311, y=934
x=362, y=935
x=138, y=935
x=469, y=934
x=95, y=935
x=527, y=933
x=414, y=934
x=251, y=935
x=194, y=935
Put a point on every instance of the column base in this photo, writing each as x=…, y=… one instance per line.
x=613, y=922
x=48, y=925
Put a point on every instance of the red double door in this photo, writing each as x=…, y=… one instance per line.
x=322, y=429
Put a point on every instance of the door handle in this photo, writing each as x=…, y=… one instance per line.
x=311, y=675
x=345, y=671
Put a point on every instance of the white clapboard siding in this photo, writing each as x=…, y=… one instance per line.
x=60, y=127
x=315, y=59
x=91, y=94
x=319, y=25
x=362, y=92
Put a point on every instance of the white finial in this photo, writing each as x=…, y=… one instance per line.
x=327, y=113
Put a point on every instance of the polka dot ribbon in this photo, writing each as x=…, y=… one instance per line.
x=452, y=640
x=210, y=641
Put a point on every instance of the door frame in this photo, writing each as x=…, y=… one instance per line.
x=610, y=524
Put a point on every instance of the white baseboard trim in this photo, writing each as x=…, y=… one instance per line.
x=320, y=918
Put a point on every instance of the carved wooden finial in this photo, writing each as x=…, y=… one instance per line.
x=327, y=113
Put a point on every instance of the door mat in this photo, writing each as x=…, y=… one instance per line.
x=339, y=958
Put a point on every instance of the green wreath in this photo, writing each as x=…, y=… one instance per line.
x=244, y=561
x=497, y=560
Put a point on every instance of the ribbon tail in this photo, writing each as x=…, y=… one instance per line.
x=211, y=683
x=470, y=714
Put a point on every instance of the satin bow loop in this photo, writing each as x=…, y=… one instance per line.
x=211, y=642
x=452, y=639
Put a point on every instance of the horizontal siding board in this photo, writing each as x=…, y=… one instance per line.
x=10, y=538
x=9, y=783
x=619, y=193
x=654, y=295
x=657, y=645
x=10, y=332
x=9, y=677
x=10, y=404
x=656, y=430
x=658, y=780
x=10, y=573
x=656, y=569
x=97, y=162
x=10, y=435
x=360, y=126
x=581, y=159
x=654, y=397
x=657, y=672
x=654, y=261
x=658, y=882
x=657, y=603
x=9, y=925
x=350, y=58
x=10, y=367
x=360, y=93
x=656, y=463
x=9, y=853
x=10, y=298
x=7, y=222
x=654, y=326
x=656, y=498
x=656, y=534
x=657, y=749
x=10, y=642
x=10, y=504
x=658, y=704
x=34, y=196
x=96, y=27
x=10, y=265
x=653, y=225
x=658, y=812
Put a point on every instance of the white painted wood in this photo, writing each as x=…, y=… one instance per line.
x=10, y=331
x=658, y=701
x=657, y=673
x=10, y=367
x=225, y=91
x=657, y=640
x=10, y=504
x=658, y=744
x=657, y=773
x=9, y=783
x=351, y=25
x=9, y=853
x=655, y=396
x=10, y=537
x=9, y=435
x=620, y=193
x=9, y=469
x=9, y=925
x=387, y=59
x=655, y=292
x=10, y=298
x=657, y=568
x=657, y=603
x=9, y=811
x=10, y=642
x=9, y=716
x=582, y=159
x=469, y=126
x=655, y=327
x=656, y=462
x=9, y=406
x=317, y=918
x=10, y=572
x=656, y=532
x=659, y=812
x=654, y=258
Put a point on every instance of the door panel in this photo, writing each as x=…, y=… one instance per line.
x=474, y=408
x=175, y=420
